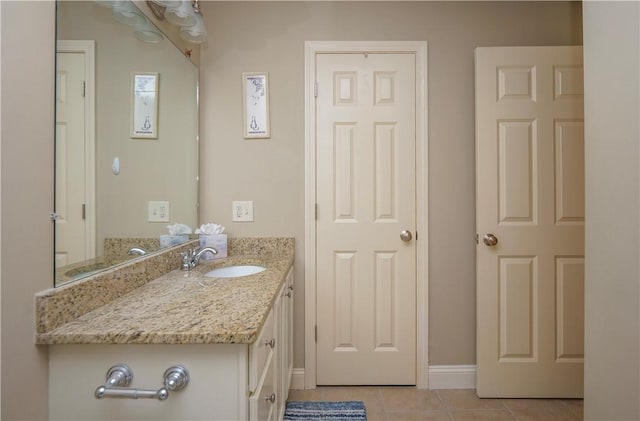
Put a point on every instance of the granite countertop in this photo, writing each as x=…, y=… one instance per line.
x=184, y=307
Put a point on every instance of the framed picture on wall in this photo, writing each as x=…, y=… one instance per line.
x=255, y=95
x=144, y=105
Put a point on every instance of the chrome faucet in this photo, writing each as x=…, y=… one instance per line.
x=137, y=251
x=191, y=257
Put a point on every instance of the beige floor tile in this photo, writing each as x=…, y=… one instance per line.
x=340, y=392
x=370, y=395
x=417, y=415
x=467, y=399
x=400, y=403
x=306, y=395
x=575, y=405
x=377, y=416
x=532, y=403
x=396, y=398
x=545, y=414
x=481, y=415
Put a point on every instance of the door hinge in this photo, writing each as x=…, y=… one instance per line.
x=316, y=333
x=316, y=211
x=84, y=211
x=53, y=216
x=83, y=88
x=416, y=235
x=315, y=89
x=477, y=239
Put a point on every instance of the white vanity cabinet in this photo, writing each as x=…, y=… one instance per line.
x=271, y=359
x=286, y=339
x=227, y=381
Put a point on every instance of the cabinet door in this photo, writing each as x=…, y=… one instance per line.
x=289, y=338
x=216, y=391
x=261, y=350
x=262, y=403
x=269, y=398
x=284, y=310
x=282, y=307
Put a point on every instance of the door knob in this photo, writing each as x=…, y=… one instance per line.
x=490, y=240
x=406, y=236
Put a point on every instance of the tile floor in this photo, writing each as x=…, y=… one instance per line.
x=399, y=403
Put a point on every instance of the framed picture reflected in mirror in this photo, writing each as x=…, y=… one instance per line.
x=144, y=105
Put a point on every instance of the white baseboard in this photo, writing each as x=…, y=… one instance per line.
x=440, y=377
x=452, y=377
x=297, y=379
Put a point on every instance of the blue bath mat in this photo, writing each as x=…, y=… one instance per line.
x=321, y=411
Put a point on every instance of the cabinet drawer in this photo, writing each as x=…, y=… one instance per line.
x=260, y=351
x=262, y=402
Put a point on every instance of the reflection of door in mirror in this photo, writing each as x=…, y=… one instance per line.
x=74, y=202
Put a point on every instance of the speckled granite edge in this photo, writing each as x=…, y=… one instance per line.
x=58, y=306
x=259, y=245
x=185, y=308
x=116, y=248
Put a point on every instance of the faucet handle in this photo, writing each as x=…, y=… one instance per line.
x=186, y=259
x=188, y=254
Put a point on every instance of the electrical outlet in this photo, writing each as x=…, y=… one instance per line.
x=242, y=211
x=158, y=211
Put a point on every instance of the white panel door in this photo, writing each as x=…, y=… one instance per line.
x=366, y=274
x=530, y=199
x=70, y=158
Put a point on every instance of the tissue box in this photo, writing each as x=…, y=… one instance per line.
x=218, y=242
x=173, y=240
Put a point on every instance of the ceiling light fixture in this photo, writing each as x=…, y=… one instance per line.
x=185, y=14
x=196, y=33
x=147, y=32
x=181, y=15
x=167, y=3
x=125, y=12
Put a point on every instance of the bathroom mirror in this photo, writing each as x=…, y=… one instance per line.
x=116, y=188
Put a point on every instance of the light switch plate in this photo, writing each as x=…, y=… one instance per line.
x=242, y=211
x=158, y=211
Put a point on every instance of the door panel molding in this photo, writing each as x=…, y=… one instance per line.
x=386, y=93
x=87, y=47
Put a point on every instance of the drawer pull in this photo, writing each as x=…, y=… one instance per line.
x=271, y=398
x=119, y=378
x=271, y=343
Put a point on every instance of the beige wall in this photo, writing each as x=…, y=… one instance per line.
x=269, y=36
x=151, y=169
x=612, y=149
x=27, y=199
x=27, y=186
x=0, y=221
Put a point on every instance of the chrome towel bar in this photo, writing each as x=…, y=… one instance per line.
x=119, y=377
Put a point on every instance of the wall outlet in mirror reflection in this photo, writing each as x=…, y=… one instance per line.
x=158, y=211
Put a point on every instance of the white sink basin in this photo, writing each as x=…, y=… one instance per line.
x=235, y=271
